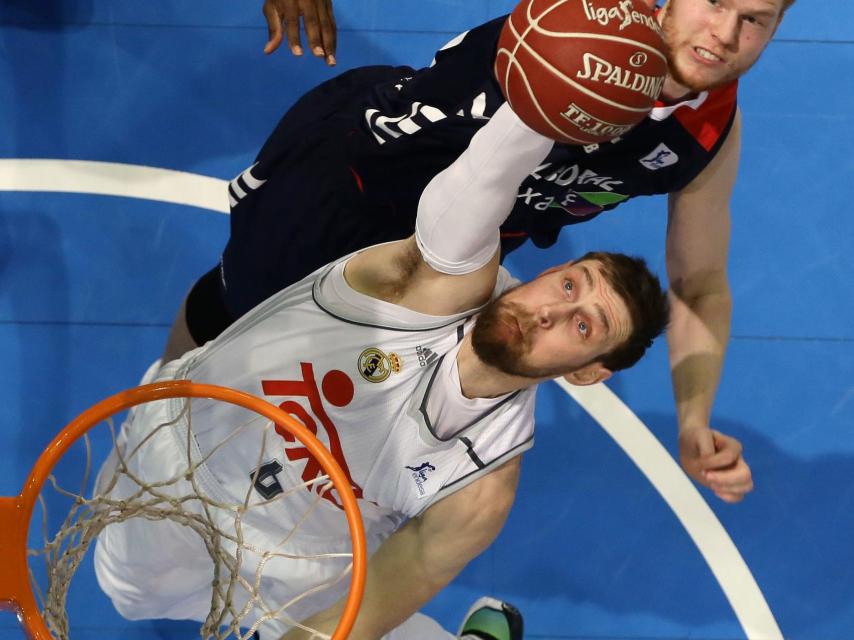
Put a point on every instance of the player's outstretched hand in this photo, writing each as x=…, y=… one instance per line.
x=715, y=460
x=283, y=18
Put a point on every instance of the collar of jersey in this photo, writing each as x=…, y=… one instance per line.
x=662, y=111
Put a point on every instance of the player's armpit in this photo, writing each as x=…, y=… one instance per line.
x=457, y=225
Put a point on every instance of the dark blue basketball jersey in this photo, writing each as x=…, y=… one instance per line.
x=346, y=165
x=413, y=126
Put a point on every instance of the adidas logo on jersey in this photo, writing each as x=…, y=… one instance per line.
x=660, y=157
x=425, y=356
x=419, y=475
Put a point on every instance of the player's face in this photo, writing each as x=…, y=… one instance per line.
x=713, y=42
x=553, y=325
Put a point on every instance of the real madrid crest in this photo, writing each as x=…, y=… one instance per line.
x=376, y=366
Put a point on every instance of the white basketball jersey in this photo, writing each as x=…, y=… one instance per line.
x=377, y=384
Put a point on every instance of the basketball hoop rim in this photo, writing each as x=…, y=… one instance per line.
x=16, y=512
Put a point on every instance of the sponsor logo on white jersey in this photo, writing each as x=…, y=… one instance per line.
x=336, y=388
x=265, y=481
x=425, y=356
x=375, y=366
x=660, y=157
x=419, y=476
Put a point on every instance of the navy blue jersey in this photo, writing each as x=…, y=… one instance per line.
x=346, y=165
x=412, y=127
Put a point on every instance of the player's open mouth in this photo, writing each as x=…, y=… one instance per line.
x=705, y=54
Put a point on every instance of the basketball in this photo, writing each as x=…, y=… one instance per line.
x=581, y=71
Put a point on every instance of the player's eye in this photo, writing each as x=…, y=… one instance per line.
x=568, y=286
x=583, y=329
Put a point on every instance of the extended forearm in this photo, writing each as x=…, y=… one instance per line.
x=399, y=583
x=462, y=208
x=697, y=337
x=403, y=576
x=424, y=555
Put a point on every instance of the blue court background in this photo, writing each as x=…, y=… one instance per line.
x=89, y=285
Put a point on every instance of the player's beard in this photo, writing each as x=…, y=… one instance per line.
x=694, y=84
x=497, y=342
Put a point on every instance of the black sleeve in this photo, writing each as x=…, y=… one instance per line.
x=461, y=71
x=457, y=92
x=414, y=126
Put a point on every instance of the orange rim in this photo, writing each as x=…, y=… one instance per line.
x=15, y=513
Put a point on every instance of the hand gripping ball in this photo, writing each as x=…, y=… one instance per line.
x=581, y=71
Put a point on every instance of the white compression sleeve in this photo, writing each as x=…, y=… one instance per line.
x=462, y=208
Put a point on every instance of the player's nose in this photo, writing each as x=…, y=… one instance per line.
x=725, y=28
x=549, y=314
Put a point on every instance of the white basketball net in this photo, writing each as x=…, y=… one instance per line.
x=238, y=603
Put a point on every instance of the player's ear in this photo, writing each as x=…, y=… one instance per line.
x=588, y=374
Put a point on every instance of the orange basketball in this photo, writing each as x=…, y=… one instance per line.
x=581, y=71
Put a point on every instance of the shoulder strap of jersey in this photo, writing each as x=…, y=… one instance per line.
x=710, y=123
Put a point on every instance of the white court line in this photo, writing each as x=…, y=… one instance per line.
x=707, y=532
x=114, y=179
x=629, y=432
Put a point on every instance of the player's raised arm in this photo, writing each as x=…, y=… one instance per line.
x=697, y=246
x=451, y=262
x=426, y=554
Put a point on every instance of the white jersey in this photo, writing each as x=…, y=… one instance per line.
x=379, y=386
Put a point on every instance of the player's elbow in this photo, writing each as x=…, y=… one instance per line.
x=700, y=286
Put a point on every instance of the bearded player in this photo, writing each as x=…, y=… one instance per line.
x=346, y=165
x=441, y=405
